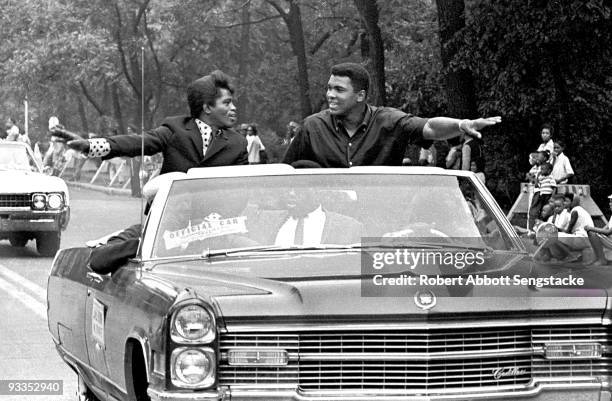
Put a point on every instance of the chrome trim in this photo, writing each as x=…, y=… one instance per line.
x=106, y=378
x=213, y=395
x=317, y=326
x=412, y=356
x=16, y=209
x=243, y=394
x=292, y=356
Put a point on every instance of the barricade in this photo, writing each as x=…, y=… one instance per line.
x=518, y=214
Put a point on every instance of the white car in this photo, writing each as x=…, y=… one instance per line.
x=32, y=205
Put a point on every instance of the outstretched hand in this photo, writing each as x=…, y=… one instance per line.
x=59, y=131
x=472, y=127
x=80, y=145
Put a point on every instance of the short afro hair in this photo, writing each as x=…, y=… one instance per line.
x=359, y=76
x=206, y=90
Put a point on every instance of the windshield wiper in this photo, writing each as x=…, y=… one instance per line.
x=426, y=245
x=326, y=247
x=275, y=248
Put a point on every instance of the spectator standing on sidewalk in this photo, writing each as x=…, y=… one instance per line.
x=543, y=190
x=255, y=148
x=453, y=157
x=12, y=131
x=562, y=168
x=472, y=157
x=428, y=157
x=547, y=141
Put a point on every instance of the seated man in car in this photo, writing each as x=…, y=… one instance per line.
x=304, y=221
x=112, y=251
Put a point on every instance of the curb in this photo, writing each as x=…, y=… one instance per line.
x=107, y=190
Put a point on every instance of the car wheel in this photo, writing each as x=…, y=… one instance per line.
x=48, y=243
x=18, y=239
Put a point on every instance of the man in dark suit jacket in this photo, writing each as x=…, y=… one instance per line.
x=202, y=139
x=304, y=222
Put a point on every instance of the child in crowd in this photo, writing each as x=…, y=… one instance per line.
x=562, y=168
x=544, y=188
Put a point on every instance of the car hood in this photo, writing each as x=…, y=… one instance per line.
x=331, y=285
x=15, y=181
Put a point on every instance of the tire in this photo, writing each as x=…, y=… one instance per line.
x=48, y=243
x=18, y=240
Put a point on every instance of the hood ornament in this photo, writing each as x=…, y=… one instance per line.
x=425, y=299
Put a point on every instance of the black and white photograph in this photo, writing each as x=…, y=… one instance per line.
x=302, y=200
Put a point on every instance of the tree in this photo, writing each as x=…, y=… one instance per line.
x=368, y=9
x=458, y=78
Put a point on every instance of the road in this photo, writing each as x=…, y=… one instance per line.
x=26, y=349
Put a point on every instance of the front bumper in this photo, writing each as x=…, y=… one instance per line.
x=556, y=392
x=23, y=219
x=210, y=395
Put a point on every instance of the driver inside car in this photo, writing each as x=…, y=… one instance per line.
x=303, y=221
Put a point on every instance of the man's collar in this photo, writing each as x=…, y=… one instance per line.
x=201, y=124
x=367, y=116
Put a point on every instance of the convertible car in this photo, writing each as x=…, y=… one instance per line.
x=33, y=205
x=369, y=283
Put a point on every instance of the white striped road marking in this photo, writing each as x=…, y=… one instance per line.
x=18, y=279
x=35, y=305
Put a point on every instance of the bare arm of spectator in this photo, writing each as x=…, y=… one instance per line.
x=604, y=231
x=572, y=222
x=452, y=156
x=466, y=157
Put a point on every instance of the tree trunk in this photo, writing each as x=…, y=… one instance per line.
x=368, y=10
x=296, y=34
x=293, y=20
x=459, y=82
x=80, y=108
x=243, y=62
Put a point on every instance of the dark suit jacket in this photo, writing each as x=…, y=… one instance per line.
x=338, y=229
x=180, y=141
x=115, y=253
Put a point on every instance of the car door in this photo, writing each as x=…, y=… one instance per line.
x=96, y=311
x=67, y=289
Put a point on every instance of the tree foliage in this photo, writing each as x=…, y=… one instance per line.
x=531, y=61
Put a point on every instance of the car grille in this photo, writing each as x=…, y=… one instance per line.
x=412, y=361
x=15, y=200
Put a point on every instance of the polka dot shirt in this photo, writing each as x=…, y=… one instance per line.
x=98, y=147
x=206, y=132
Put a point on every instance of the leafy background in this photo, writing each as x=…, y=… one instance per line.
x=530, y=61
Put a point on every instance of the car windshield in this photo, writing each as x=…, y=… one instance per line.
x=16, y=158
x=262, y=213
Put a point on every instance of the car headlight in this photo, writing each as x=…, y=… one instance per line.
x=39, y=201
x=192, y=324
x=193, y=367
x=55, y=201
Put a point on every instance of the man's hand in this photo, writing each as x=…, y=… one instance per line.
x=59, y=132
x=80, y=145
x=472, y=127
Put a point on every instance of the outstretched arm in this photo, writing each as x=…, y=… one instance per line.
x=441, y=128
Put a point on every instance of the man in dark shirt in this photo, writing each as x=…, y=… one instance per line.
x=353, y=133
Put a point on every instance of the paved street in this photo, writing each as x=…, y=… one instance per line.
x=26, y=349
